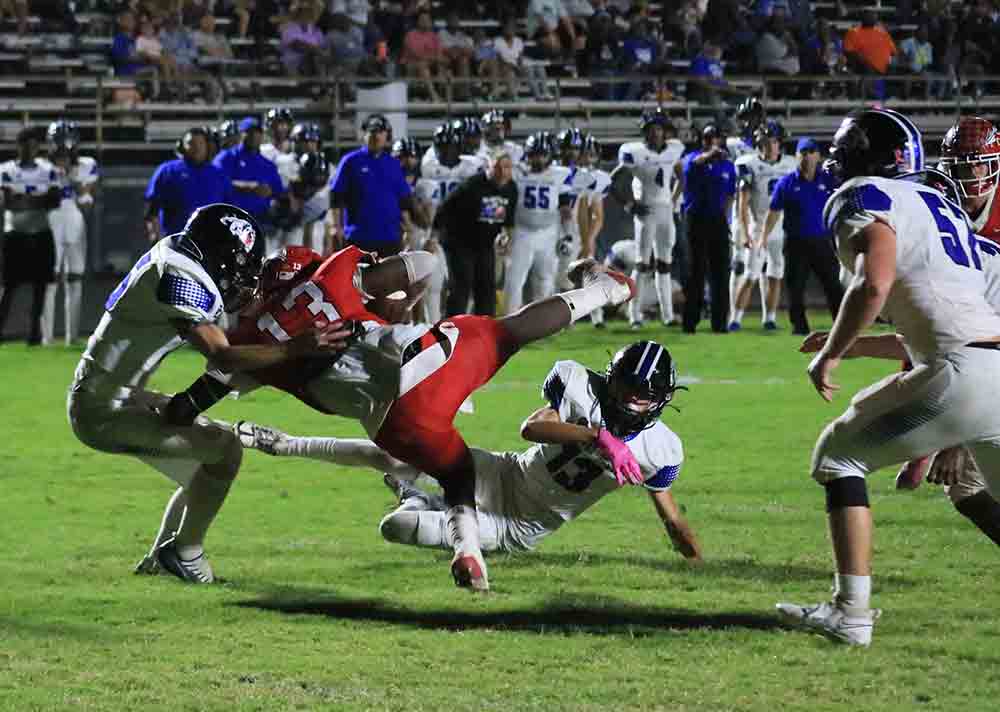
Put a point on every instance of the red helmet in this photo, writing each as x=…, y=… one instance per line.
x=972, y=142
x=283, y=266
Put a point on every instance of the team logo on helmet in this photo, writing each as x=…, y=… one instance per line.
x=243, y=230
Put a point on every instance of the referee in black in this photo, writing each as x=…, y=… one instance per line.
x=709, y=189
x=469, y=220
x=801, y=196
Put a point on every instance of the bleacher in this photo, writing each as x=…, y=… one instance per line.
x=46, y=75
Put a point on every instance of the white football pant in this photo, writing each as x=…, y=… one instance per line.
x=531, y=252
x=655, y=237
x=69, y=233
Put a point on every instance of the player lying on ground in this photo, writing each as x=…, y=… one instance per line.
x=176, y=293
x=405, y=382
x=523, y=497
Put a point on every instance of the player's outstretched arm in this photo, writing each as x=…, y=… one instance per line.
x=888, y=346
x=677, y=527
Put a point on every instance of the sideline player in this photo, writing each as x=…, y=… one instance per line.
x=759, y=260
x=496, y=127
x=79, y=175
x=405, y=383
x=522, y=497
x=915, y=259
x=176, y=293
x=578, y=183
x=655, y=163
x=543, y=205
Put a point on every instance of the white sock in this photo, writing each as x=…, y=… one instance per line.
x=350, y=452
x=738, y=316
x=173, y=517
x=597, y=316
x=74, y=302
x=583, y=301
x=634, y=312
x=771, y=316
x=665, y=295
x=49, y=313
x=855, y=591
x=463, y=530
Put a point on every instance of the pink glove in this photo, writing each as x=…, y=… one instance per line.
x=622, y=460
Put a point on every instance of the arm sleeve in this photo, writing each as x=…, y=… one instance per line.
x=182, y=296
x=665, y=459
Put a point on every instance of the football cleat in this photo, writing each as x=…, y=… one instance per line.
x=618, y=288
x=469, y=571
x=196, y=570
x=912, y=473
x=636, y=326
x=735, y=326
x=844, y=624
x=148, y=565
x=770, y=326
x=259, y=437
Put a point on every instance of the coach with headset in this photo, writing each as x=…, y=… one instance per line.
x=369, y=194
x=181, y=186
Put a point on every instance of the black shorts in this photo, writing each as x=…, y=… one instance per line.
x=28, y=258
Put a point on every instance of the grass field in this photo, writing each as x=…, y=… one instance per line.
x=318, y=613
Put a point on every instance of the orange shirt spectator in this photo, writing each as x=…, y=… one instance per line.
x=870, y=44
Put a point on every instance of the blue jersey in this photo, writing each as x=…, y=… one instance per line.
x=370, y=188
x=241, y=165
x=708, y=186
x=179, y=187
x=802, y=202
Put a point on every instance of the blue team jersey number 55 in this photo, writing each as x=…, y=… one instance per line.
x=536, y=196
x=952, y=230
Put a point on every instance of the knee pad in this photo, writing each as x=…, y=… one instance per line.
x=74, y=277
x=846, y=492
x=662, y=267
x=643, y=267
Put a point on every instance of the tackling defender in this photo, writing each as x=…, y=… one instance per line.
x=176, y=293
x=915, y=259
x=760, y=258
x=405, y=383
x=524, y=497
x=655, y=165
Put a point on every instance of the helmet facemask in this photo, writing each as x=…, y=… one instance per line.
x=975, y=175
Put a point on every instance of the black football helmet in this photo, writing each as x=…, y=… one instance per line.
x=304, y=131
x=278, y=113
x=641, y=370
x=227, y=133
x=496, y=126
x=405, y=147
x=63, y=136
x=875, y=142
x=472, y=126
x=314, y=171
x=227, y=242
x=540, y=142
x=569, y=139
x=750, y=114
x=656, y=117
x=592, y=147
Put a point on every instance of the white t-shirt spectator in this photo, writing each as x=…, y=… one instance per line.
x=509, y=53
x=455, y=40
x=544, y=14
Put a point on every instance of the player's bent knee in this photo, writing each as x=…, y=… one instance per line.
x=846, y=492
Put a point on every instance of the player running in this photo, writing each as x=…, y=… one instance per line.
x=176, y=293
x=654, y=164
x=760, y=256
x=405, y=383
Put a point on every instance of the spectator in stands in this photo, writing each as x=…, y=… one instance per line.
x=126, y=60
x=823, y=53
x=917, y=57
x=604, y=56
x=18, y=9
x=707, y=84
x=948, y=52
x=869, y=49
x=641, y=55
x=777, y=51
x=726, y=19
x=369, y=194
x=178, y=43
x=239, y=10
x=977, y=38
x=510, y=50
x=181, y=186
x=387, y=17
x=150, y=49
x=30, y=188
x=211, y=44
x=458, y=51
x=549, y=24
x=487, y=62
x=346, y=44
x=423, y=55
x=303, y=45
x=683, y=27
x=255, y=179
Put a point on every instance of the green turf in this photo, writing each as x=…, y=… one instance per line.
x=319, y=613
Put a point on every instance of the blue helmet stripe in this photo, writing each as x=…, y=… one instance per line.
x=913, y=138
x=648, y=361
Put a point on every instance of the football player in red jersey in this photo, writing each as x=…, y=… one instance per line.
x=404, y=382
x=970, y=156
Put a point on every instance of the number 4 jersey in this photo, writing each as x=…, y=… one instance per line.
x=937, y=301
x=555, y=483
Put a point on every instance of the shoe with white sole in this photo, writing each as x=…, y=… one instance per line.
x=618, y=287
x=844, y=624
x=259, y=437
x=196, y=570
x=469, y=571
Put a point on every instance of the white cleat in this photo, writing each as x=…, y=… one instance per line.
x=196, y=570
x=618, y=288
x=259, y=437
x=469, y=571
x=844, y=624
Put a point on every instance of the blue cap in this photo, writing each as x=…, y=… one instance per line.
x=248, y=123
x=806, y=144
